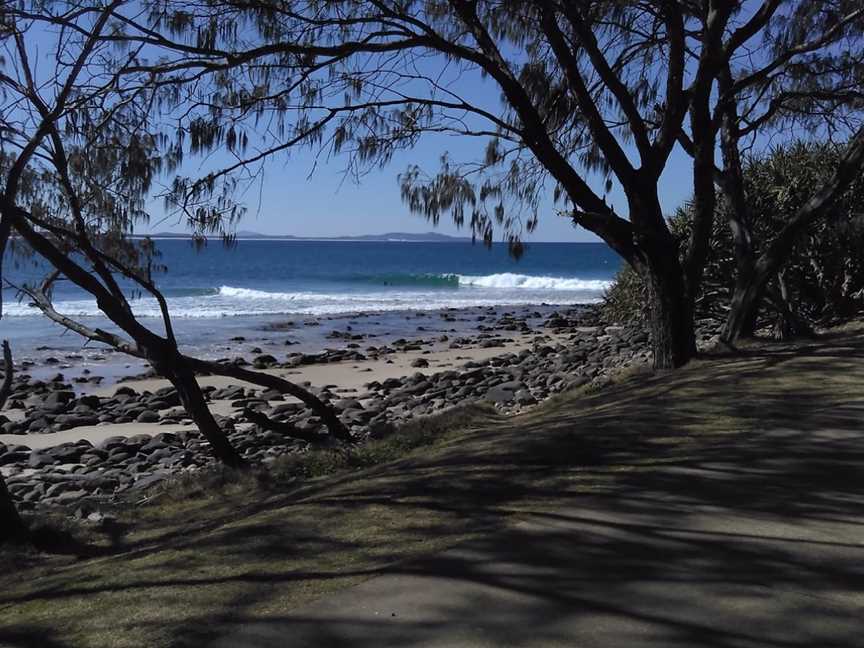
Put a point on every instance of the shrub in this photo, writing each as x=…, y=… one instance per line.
x=823, y=279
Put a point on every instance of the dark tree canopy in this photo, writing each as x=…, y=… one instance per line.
x=587, y=95
x=823, y=279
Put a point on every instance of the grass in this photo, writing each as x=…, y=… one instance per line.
x=253, y=532
x=289, y=470
x=209, y=554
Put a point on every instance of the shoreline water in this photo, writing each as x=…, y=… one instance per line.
x=90, y=366
x=222, y=293
x=382, y=332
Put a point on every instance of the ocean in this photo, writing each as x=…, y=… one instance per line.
x=218, y=292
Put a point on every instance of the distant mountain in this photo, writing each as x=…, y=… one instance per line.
x=429, y=237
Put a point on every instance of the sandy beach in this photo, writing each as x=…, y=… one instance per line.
x=344, y=377
x=66, y=441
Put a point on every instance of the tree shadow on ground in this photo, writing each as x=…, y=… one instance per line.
x=720, y=505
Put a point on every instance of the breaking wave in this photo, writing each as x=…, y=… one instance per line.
x=529, y=282
x=392, y=293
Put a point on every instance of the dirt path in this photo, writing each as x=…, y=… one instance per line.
x=720, y=505
x=749, y=533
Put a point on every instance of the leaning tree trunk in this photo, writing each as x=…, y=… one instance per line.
x=744, y=306
x=183, y=379
x=750, y=289
x=12, y=527
x=747, y=294
x=326, y=412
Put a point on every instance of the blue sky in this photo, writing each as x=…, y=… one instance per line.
x=289, y=201
x=327, y=203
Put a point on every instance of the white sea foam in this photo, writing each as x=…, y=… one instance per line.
x=490, y=290
x=511, y=280
x=251, y=293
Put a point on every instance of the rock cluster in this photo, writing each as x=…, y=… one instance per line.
x=572, y=348
x=53, y=406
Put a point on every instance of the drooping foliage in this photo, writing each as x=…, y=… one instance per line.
x=82, y=148
x=584, y=96
x=577, y=98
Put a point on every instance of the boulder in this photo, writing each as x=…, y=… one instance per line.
x=147, y=416
x=90, y=401
x=505, y=392
x=264, y=361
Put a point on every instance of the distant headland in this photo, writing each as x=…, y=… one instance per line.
x=428, y=237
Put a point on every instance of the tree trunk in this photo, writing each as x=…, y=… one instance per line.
x=326, y=412
x=753, y=277
x=658, y=262
x=789, y=323
x=192, y=398
x=673, y=336
x=12, y=527
x=744, y=306
x=746, y=296
x=8, y=368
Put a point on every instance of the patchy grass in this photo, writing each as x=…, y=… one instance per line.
x=416, y=433
x=205, y=541
x=293, y=469
x=219, y=550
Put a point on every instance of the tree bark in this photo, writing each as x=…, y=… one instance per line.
x=12, y=527
x=746, y=296
x=673, y=338
x=658, y=262
x=743, y=307
x=8, y=368
x=192, y=398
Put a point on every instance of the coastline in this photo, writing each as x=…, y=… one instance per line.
x=68, y=443
x=51, y=350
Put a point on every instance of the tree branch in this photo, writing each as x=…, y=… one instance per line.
x=282, y=427
x=622, y=93
x=336, y=427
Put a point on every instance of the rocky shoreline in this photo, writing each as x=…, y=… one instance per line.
x=567, y=349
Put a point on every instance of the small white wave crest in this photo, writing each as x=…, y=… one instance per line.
x=251, y=293
x=529, y=282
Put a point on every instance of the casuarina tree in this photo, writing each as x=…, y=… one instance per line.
x=802, y=78
x=81, y=148
x=12, y=527
x=588, y=95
